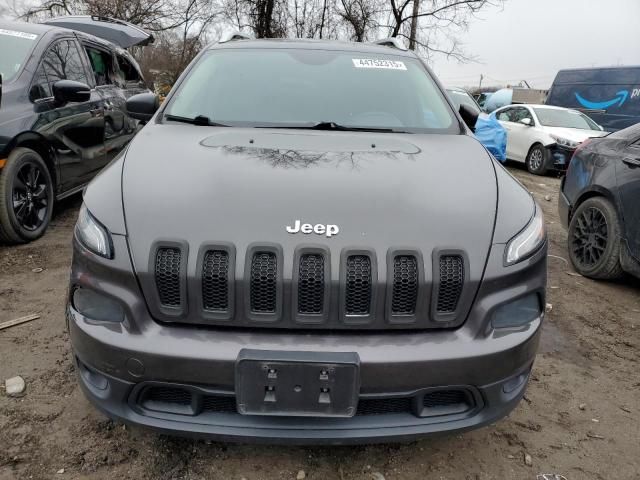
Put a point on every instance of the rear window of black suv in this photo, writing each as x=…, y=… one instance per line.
x=297, y=87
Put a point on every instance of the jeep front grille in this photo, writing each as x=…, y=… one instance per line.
x=451, y=283
x=263, y=286
x=311, y=284
x=215, y=280
x=405, y=285
x=358, y=288
x=167, y=276
x=263, y=282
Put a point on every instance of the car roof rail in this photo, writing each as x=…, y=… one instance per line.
x=393, y=42
x=232, y=36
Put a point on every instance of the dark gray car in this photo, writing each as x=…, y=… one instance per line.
x=306, y=244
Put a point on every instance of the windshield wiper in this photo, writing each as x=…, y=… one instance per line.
x=197, y=120
x=338, y=127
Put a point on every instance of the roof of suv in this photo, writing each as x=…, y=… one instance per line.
x=36, y=28
x=311, y=44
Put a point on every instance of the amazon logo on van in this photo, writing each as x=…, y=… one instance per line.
x=619, y=100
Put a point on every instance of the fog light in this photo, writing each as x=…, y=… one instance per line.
x=513, y=383
x=517, y=313
x=96, y=306
x=96, y=379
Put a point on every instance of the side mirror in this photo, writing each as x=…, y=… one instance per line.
x=143, y=106
x=526, y=121
x=600, y=127
x=65, y=91
x=469, y=116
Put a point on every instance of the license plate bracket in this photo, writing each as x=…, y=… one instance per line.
x=305, y=384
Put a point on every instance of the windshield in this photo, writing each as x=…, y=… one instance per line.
x=302, y=88
x=552, y=117
x=463, y=98
x=14, y=51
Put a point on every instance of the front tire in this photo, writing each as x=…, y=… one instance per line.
x=594, y=240
x=26, y=197
x=537, y=160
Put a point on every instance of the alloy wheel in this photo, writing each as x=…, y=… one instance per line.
x=536, y=159
x=29, y=196
x=590, y=237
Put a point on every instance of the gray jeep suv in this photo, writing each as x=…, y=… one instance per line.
x=306, y=244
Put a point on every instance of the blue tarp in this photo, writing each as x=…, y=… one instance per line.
x=492, y=135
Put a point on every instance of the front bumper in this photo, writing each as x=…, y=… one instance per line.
x=559, y=157
x=116, y=361
x=118, y=401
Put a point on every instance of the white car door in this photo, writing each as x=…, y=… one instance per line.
x=520, y=136
x=504, y=117
x=523, y=133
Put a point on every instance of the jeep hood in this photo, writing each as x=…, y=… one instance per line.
x=199, y=185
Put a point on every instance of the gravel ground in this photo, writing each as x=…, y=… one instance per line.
x=580, y=417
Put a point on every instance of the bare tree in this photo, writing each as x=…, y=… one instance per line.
x=360, y=16
x=265, y=18
x=431, y=26
x=182, y=27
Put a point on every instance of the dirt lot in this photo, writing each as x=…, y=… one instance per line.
x=580, y=417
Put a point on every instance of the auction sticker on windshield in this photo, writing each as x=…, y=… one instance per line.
x=378, y=63
x=14, y=33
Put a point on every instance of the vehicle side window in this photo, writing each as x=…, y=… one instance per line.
x=102, y=66
x=60, y=62
x=40, y=87
x=129, y=71
x=519, y=114
x=505, y=115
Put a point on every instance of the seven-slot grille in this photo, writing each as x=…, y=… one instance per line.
x=215, y=280
x=263, y=282
x=311, y=284
x=311, y=297
x=405, y=285
x=359, y=285
x=451, y=283
x=168, y=263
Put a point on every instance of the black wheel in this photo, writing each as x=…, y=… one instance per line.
x=537, y=160
x=594, y=240
x=26, y=197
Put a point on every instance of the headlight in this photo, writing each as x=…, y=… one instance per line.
x=565, y=142
x=528, y=241
x=93, y=235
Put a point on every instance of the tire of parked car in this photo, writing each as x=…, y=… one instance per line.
x=537, y=160
x=594, y=240
x=26, y=197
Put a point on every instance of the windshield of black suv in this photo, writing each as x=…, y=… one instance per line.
x=295, y=88
x=14, y=51
x=555, y=117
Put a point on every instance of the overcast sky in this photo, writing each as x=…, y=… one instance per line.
x=533, y=39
